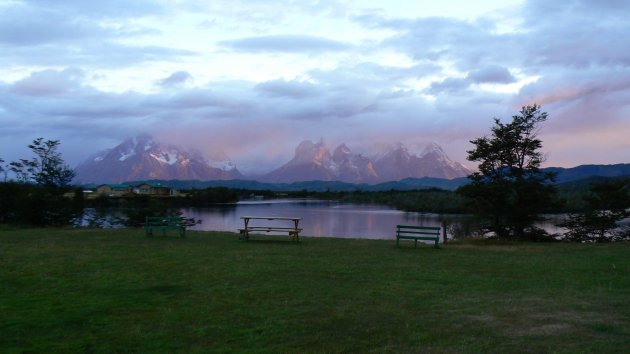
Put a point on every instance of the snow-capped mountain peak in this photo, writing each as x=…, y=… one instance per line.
x=142, y=158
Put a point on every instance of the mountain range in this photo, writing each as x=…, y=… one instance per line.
x=314, y=166
x=315, y=161
x=142, y=158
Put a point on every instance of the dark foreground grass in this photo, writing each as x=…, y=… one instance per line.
x=105, y=291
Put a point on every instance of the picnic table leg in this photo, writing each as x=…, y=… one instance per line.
x=244, y=235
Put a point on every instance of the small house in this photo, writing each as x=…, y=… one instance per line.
x=153, y=189
x=113, y=190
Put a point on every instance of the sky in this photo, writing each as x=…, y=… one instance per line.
x=254, y=78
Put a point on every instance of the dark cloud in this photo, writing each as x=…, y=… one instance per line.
x=489, y=75
x=285, y=43
x=48, y=82
x=175, y=79
x=449, y=85
x=289, y=89
x=492, y=74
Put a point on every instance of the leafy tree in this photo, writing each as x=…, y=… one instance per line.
x=49, y=168
x=37, y=198
x=607, y=204
x=510, y=191
x=46, y=169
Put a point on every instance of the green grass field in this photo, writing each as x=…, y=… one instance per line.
x=106, y=291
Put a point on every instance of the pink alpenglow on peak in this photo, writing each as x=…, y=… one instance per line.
x=315, y=162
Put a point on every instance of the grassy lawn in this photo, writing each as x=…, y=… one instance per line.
x=104, y=291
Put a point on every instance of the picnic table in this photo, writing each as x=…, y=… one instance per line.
x=293, y=230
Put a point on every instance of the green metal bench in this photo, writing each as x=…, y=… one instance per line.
x=164, y=223
x=415, y=233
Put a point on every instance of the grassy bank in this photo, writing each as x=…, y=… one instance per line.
x=103, y=291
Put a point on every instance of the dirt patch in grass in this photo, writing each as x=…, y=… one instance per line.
x=542, y=317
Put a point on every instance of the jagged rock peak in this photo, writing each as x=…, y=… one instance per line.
x=341, y=153
x=307, y=151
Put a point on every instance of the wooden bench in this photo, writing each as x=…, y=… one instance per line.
x=293, y=232
x=415, y=233
x=165, y=223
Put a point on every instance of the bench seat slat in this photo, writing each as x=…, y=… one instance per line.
x=437, y=233
x=270, y=227
x=278, y=229
x=417, y=238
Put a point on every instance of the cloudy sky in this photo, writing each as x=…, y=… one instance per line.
x=255, y=77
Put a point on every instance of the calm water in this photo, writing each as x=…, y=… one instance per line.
x=319, y=218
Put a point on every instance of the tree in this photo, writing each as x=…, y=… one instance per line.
x=50, y=170
x=37, y=198
x=607, y=204
x=47, y=169
x=510, y=191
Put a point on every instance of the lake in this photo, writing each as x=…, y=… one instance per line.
x=324, y=218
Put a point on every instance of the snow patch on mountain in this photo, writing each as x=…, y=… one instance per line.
x=167, y=157
x=125, y=155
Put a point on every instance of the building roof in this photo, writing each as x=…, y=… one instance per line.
x=114, y=186
x=153, y=185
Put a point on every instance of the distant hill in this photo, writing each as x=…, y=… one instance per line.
x=586, y=171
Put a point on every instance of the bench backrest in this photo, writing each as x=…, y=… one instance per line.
x=163, y=220
x=418, y=230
